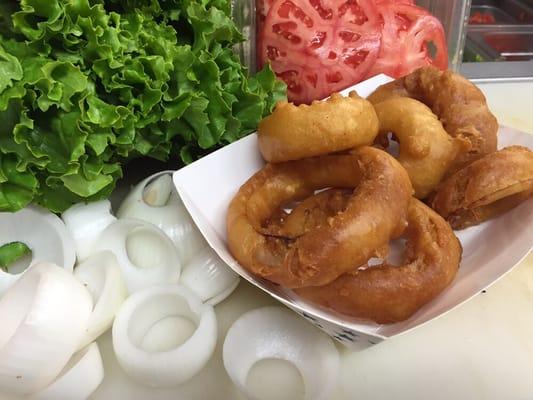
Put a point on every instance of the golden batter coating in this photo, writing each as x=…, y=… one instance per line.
x=426, y=149
x=295, y=132
x=486, y=188
x=388, y=293
x=376, y=209
x=459, y=104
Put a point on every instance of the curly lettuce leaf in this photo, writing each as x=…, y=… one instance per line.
x=11, y=252
x=87, y=85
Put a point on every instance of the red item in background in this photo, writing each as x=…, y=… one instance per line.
x=481, y=18
x=321, y=46
x=407, y=30
x=318, y=47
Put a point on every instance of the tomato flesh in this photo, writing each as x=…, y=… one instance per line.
x=407, y=31
x=320, y=46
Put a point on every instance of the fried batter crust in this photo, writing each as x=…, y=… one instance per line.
x=295, y=132
x=486, y=188
x=426, y=149
x=377, y=207
x=388, y=293
x=459, y=104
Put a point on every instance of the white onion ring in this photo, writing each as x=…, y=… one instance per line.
x=43, y=317
x=275, y=332
x=145, y=254
x=101, y=275
x=85, y=222
x=209, y=277
x=141, y=312
x=167, y=212
x=79, y=378
x=43, y=232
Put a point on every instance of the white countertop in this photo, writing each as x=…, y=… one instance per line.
x=481, y=350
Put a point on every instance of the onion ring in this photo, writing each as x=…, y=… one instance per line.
x=85, y=222
x=386, y=293
x=459, y=104
x=81, y=376
x=426, y=149
x=144, y=252
x=43, y=232
x=44, y=315
x=249, y=340
x=338, y=123
x=172, y=365
x=486, y=188
x=375, y=212
x=156, y=200
x=102, y=276
x=209, y=277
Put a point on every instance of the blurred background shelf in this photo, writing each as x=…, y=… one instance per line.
x=499, y=41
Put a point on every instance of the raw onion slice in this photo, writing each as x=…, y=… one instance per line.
x=209, y=277
x=101, y=275
x=145, y=254
x=155, y=200
x=79, y=378
x=43, y=317
x=43, y=232
x=85, y=222
x=144, y=335
x=277, y=333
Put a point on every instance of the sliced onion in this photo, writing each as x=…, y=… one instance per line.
x=155, y=200
x=145, y=254
x=86, y=222
x=79, y=378
x=209, y=277
x=277, y=333
x=43, y=232
x=101, y=275
x=42, y=319
x=144, y=334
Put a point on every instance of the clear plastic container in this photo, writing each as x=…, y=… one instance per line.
x=243, y=13
x=453, y=15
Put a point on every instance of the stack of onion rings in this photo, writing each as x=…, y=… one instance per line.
x=352, y=204
x=374, y=213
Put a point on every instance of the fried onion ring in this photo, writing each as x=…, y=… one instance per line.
x=295, y=132
x=313, y=212
x=459, y=104
x=386, y=293
x=486, y=188
x=377, y=207
x=426, y=150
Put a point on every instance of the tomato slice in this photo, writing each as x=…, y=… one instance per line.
x=407, y=32
x=320, y=46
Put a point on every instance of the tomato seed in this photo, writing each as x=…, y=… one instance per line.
x=318, y=40
x=349, y=36
x=355, y=60
x=334, y=77
x=325, y=13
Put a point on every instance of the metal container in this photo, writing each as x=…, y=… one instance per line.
x=497, y=14
x=506, y=11
x=504, y=43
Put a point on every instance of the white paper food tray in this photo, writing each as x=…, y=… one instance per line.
x=490, y=250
